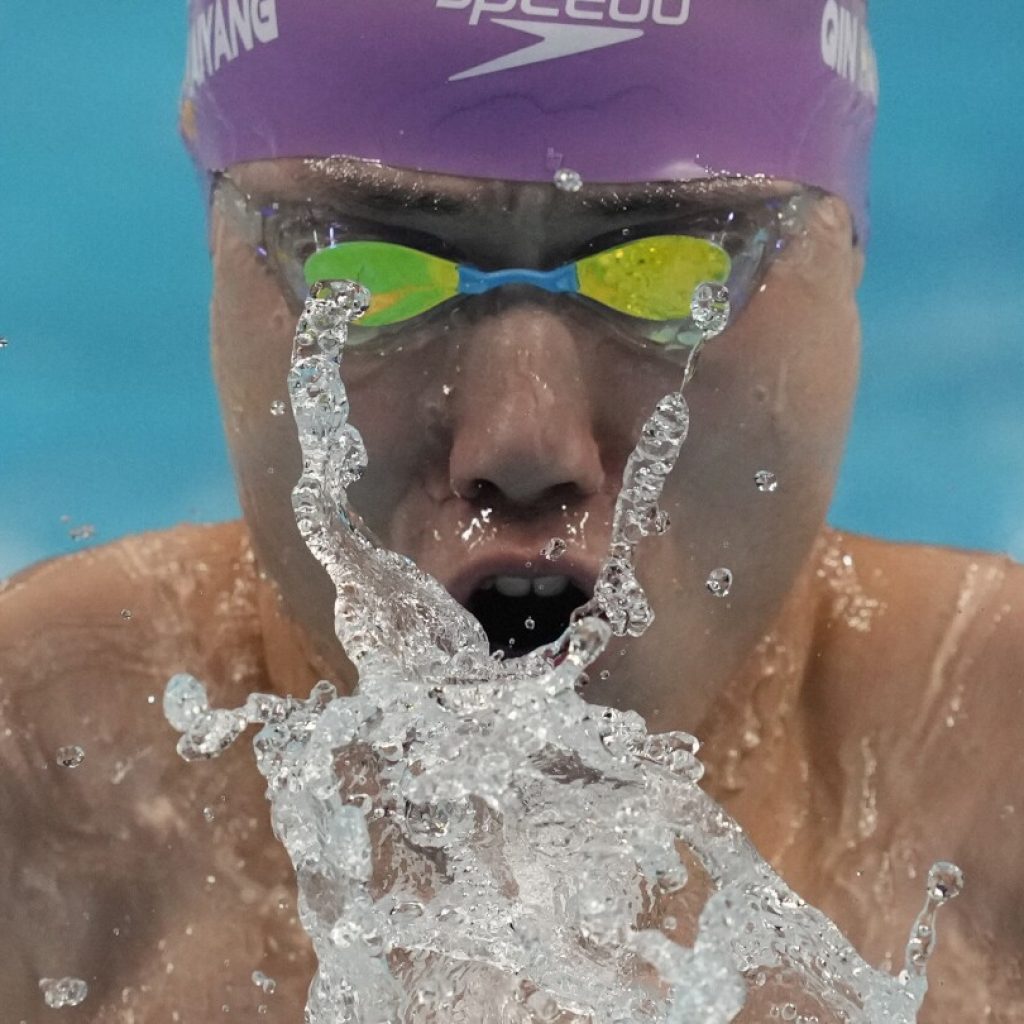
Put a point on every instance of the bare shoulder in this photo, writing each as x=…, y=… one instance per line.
x=926, y=645
x=101, y=857
x=921, y=655
x=88, y=641
x=139, y=586
x=921, y=629
x=76, y=579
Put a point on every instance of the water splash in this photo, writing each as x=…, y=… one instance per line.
x=945, y=882
x=766, y=481
x=472, y=841
x=618, y=596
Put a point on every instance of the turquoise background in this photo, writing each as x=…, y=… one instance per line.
x=107, y=410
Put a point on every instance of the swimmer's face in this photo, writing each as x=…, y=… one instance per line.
x=506, y=422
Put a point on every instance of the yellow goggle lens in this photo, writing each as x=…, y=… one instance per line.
x=652, y=278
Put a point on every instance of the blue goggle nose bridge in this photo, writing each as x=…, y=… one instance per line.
x=561, y=279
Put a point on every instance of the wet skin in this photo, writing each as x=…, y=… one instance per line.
x=857, y=701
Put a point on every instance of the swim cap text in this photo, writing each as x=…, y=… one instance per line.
x=224, y=30
x=846, y=48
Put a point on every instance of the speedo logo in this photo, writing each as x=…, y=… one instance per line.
x=581, y=25
x=622, y=12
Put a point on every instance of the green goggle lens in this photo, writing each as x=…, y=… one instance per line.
x=649, y=279
x=403, y=282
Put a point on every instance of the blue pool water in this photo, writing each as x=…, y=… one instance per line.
x=107, y=411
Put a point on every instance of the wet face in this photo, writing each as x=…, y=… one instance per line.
x=505, y=420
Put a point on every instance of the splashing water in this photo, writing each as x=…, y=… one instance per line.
x=945, y=882
x=472, y=841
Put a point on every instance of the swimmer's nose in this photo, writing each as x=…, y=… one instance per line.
x=522, y=423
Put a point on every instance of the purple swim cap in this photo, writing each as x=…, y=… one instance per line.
x=618, y=90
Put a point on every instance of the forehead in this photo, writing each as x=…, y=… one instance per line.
x=393, y=190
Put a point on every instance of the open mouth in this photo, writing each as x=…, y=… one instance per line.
x=521, y=613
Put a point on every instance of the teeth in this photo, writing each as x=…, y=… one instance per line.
x=512, y=586
x=550, y=586
x=520, y=586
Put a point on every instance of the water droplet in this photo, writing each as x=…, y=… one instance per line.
x=126, y=613
x=710, y=307
x=208, y=814
x=277, y=407
x=184, y=700
x=264, y=982
x=554, y=549
x=568, y=180
x=766, y=481
x=83, y=532
x=605, y=673
x=719, y=582
x=151, y=699
x=70, y=757
x=945, y=881
x=446, y=390
x=3, y=342
x=529, y=623
x=61, y=992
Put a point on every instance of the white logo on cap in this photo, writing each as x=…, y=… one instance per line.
x=560, y=39
x=555, y=41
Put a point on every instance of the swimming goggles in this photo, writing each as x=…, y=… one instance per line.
x=641, y=280
x=648, y=279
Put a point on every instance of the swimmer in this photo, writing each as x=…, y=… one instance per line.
x=857, y=701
